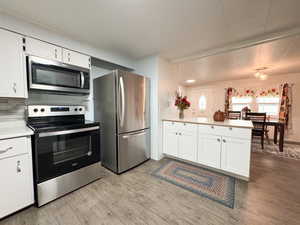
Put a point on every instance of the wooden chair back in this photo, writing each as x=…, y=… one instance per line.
x=234, y=115
x=258, y=120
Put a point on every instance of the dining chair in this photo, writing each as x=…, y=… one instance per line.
x=234, y=115
x=259, y=123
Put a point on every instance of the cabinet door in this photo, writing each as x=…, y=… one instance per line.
x=17, y=184
x=170, y=138
x=187, y=145
x=171, y=143
x=209, y=150
x=75, y=58
x=43, y=49
x=12, y=69
x=236, y=156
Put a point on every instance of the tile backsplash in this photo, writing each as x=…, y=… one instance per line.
x=12, y=109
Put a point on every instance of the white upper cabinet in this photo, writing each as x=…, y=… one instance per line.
x=43, y=49
x=12, y=68
x=75, y=58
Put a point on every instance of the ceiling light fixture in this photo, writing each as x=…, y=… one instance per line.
x=259, y=74
x=190, y=81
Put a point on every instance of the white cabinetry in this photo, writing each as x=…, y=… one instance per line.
x=236, y=155
x=220, y=147
x=209, y=150
x=16, y=175
x=75, y=58
x=43, y=49
x=180, y=140
x=53, y=52
x=12, y=69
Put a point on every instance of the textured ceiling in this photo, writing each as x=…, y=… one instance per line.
x=281, y=57
x=172, y=28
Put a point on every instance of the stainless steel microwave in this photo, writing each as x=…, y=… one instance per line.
x=54, y=76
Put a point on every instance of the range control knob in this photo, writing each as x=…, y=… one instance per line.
x=42, y=110
x=80, y=109
x=35, y=110
x=76, y=109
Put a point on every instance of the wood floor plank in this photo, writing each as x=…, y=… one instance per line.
x=271, y=197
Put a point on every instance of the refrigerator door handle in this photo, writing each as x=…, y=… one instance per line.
x=134, y=134
x=122, y=101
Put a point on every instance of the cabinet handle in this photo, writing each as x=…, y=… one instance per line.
x=224, y=140
x=19, y=167
x=219, y=139
x=6, y=150
x=15, y=87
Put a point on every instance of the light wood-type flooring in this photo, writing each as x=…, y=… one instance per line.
x=271, y=198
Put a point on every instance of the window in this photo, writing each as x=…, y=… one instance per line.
x=202, y=103
x=239, y=103
x=270, y=105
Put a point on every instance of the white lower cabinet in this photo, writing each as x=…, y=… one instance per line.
x=16, y=177
x=171, y=143
x=180, y=141
x=219, y=151
x=209, y=150
x=236, y=155
x=187, y=145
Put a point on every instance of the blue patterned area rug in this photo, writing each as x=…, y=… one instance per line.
x=206, y=183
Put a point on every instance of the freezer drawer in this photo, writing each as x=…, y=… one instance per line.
x=133, y=149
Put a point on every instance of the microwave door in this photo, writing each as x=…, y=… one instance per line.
x=133, y=102
x=55, y=76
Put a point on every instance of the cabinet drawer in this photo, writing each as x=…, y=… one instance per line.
x=171, y=126
x=12, y=147
x=187, y=127
x=236, y=132
x=243, y=133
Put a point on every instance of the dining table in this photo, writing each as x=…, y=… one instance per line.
x=279, y=127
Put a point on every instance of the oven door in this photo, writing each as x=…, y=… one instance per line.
x=61, y=152
x=55, y=76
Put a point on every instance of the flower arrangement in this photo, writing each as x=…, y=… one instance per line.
x=181, y=103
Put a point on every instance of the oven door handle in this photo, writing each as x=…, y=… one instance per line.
x=64, y=132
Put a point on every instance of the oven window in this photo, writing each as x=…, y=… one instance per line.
x=55, y=76
x=60, y=154
x=66, y=149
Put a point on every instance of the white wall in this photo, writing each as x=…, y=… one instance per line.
x=148, y=66
x=215, y=93
x=168, y=83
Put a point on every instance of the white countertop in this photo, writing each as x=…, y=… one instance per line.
x=209, y=121
x=13, y=129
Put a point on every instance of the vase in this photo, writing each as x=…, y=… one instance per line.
x=181, y=113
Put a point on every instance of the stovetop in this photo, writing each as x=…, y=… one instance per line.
x=44, y=118
x=46, y=127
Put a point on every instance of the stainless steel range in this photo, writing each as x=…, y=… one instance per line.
x=66, y=150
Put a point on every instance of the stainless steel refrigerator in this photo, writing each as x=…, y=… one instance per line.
x=122, y=106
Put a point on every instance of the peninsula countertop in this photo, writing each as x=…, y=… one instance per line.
x=209, y=121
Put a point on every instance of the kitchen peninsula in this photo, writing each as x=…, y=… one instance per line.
x=222, y=146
